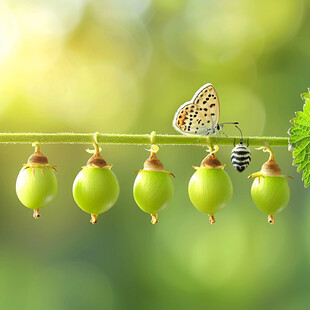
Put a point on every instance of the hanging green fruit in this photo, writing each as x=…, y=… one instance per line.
x=36, y=184
x=270, y=190
x=96, y=188
x=210, y=188
x=153, y=188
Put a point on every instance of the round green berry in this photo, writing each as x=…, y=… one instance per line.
x=210, y=190
x=36, y=187
x=270, y=194
x=153, y=190
x=270, y=191
x=95, y=188
x=36, y=184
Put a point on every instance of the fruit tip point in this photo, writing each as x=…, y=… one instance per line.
x=154, y=218
x=271, y=219
x=211, y=219
x=36, y=214
x=94, y=218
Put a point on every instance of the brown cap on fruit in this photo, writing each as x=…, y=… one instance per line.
x=153, y=163
x=97, y=161
x=271, y=168
x=211, y=162
x=37, y=158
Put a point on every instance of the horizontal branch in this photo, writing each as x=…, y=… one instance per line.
x=134, y=139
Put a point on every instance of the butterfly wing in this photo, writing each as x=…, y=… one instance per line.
x=199, y=115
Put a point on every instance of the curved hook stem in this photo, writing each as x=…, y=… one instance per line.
x=154, y=148
x=216, y=149
x=96, y=146
x=268, y=149
x=97, y=149
x=36, y=146
x=153, y=133
x=212, y=149
x=209, y=144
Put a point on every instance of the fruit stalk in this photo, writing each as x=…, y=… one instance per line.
x=132, y=139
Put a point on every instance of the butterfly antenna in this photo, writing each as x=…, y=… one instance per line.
x=233, y=123
x=241, y=140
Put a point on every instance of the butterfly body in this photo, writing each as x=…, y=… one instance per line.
x=199, y=116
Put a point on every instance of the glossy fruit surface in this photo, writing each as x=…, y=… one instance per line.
x=270, y=191
x=95, y=190
x=36, y=187
x=270, y=194
x=210, y=190
x=153, y=190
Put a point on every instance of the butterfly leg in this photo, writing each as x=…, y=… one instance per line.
x=198, y=139
x=222, y=132
x=234, y=142
x=248, y=142
x=204, y=133
x=213, y=129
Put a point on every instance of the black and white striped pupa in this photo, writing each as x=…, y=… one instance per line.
x=240, y=155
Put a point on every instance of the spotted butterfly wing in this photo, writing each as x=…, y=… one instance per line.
x=201, y=114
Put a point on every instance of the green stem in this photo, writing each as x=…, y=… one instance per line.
x=134, y=139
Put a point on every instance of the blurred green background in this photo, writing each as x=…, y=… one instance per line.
x=125, y=66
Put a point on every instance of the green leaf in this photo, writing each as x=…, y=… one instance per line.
x=299, y=139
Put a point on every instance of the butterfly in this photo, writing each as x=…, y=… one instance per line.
x=200, y=115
